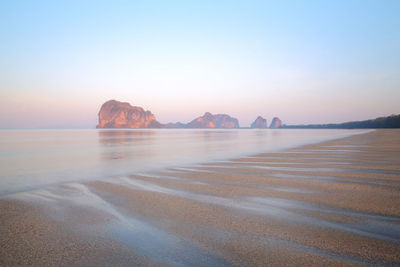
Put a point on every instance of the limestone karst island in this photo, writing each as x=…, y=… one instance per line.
x=115, y=114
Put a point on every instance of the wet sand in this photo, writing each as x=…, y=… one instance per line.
x=335, y=203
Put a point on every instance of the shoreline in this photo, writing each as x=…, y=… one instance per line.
x=329, y=203
x=87, y=174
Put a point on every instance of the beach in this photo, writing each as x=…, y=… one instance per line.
x=333, y=203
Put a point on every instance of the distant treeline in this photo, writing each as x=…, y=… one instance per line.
x=392, y=121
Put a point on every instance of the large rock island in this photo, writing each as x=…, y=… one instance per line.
x=115, y=114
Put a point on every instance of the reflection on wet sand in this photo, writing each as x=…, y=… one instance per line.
x=138, y=234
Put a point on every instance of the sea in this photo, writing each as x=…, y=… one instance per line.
x=33, y=159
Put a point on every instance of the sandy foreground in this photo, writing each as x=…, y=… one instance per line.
x=335, y=203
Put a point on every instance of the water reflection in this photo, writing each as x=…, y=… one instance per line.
x=164, y=146
x=125, y=144
x=111, y=137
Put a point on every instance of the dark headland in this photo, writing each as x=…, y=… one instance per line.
x=392, y=121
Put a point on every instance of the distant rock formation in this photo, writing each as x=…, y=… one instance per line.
x=276, y=123
x=209, y=120
x=115, y=114
x=260, y=123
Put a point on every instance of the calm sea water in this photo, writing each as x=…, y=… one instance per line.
x=31, y=159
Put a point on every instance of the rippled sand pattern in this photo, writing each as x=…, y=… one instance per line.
x=330, y=204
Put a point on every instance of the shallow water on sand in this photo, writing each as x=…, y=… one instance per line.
x=177, y=198
x=31, y=159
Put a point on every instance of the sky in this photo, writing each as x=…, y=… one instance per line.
x=302, y=61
